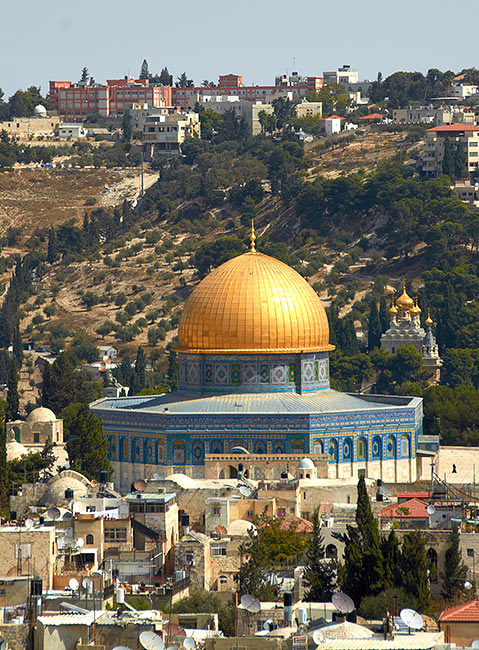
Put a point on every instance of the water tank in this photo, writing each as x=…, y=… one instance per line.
x=185, y=519
x=288, y=606
x=13, y=515
x=120, y=596
x=69, y=494
x=103, y=477
x=302, y=616
x=36, y=587
x=42, y=521
x=284, y=475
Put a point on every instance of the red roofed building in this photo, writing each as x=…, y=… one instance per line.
x=373, y=117
x=410, y=514
x=460, y=624
x=460, y=139
x=405, y=496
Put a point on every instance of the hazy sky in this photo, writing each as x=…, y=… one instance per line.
x=256, y=38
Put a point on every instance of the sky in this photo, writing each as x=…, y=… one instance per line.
x=256, y=38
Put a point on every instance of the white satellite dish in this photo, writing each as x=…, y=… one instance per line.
x=343, y=602
x=318, y=636
x=151, y=641
x=121, y=647
x=80, y=542
x=73, y=584
x=467, y=585
x=411, y=619
x=475, y=643
x=172, y=647
x=29, y=523
x=268, y=625
x=261, y=633
x=245, y=491
x=251, y=604
x=430, y=509
x=87, y=585
x=53, y=513
x=189, y=643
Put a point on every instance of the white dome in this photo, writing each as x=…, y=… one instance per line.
x=306, y=463
x=240, y=527
x=15, y=450
x=39, y=109
x=41, y=414
x=56, y=486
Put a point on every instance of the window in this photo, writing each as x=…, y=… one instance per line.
x=23, y=551
x=36, y=435
x=470, y=552
x=216, y=511
x=223, y=580
x=89, y=539
x=249, y=513
x=190, y=558
x=115, y=535
x=218, y=550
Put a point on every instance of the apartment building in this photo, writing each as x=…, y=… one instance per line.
x=343, y=75
x=232, y=85
x=457, y=135
x=428, y=114
x=164, y=134
x=76, y=101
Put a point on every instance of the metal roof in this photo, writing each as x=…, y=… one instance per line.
x=417, y=641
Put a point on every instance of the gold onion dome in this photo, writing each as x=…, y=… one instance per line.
x=251, y=304
x=404, y=301
x=428, y=319
x=416, y=310
x=393, y=309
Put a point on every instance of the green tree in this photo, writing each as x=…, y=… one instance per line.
x=374, y=327
x=415, y=568
x=126, y=127
x=460, y=162
x=455, y=571
x=383, y=315
x=84, y=75
x=4, y=487
x=87, y=445
x=166, y=79
x=84, y=349
x=172, y=374
x=184, y=82
x=13, y=400
x=392, y=560
x=208, y=601
x=448, y=159
x=318, y=576
x=144, y=73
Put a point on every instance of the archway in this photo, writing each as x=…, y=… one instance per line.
x=331, y=552
x=432, y=564
x=377, y=448
x=333, y=451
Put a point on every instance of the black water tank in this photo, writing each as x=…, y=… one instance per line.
x=185, y=519
x=288, y=599
x=13, y=515
x=103, y=477
x=379, y=482
x=42, y=521
x=240, y=467
x=69, y=494
x=284, y=474
x=36, y=587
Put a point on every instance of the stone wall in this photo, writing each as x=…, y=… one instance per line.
x=14, y=635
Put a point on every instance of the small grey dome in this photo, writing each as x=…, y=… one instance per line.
x=306, y=463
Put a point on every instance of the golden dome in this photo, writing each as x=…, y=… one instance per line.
x=415, y=310
x=429, y=320
x=393, y=309
x=404, y=301
x=253, y=303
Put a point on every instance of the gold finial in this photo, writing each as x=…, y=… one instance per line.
x=252, y=237
x=428, y=319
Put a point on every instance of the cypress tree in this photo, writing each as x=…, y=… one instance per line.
x=13, y=400
x=448, y=160
x=59, y=384
x=172, y=374
x=319, y=575
x=460, y=162
x=414, y=568
x=4, y=487
x=87, y=445
x=144, y=74
x=140, y=370
x=383, y=315
x=52, y=253
x=392, y=560
x=374, y=327
x=17, y=345
x=455, y=571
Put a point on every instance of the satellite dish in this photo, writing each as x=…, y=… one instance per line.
x=3, y=643
x=87, y=585
x=245, y=491
x=53, y=513
x=411, y=619
x=172, y=647
x=121, y=647
x=67, y=516
x=318, y=636
x=475, y=643
x=467, y=585
x=80, y=542
x=73, y=584
x=251, y=604
x=268, y=625
x=189, y=643
x=29, y=523
x=343, y=602
x=151, y=641
x=139, y=485
x=430, y=509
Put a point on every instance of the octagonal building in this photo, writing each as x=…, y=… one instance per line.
x=253, y=364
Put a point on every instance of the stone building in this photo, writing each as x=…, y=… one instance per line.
x=24, y=551
x=405, y=329
x=30, y=435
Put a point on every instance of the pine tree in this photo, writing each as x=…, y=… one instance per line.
x=52, y=253
x=59, y=383
x=144, y=73
x=318, y=575
x=87, y=446
x=166, y=79
x=415, y=568
x=460, y=162
x=383, y=315
x=455, y=571
x=374, y=327
x=13, y=400
x=84, y=75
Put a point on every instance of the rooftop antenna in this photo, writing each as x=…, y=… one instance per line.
x=411, y=619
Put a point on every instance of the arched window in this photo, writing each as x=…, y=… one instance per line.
x=405, y=446
x=16, y=431
x=36, y=437
x=347, y=449
x=318, y=447
x=331, y=552
x=377, y=448
x=260, y=447
x=333, y=451
x=391, y=447
x=362, y=449
x=90, y=539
